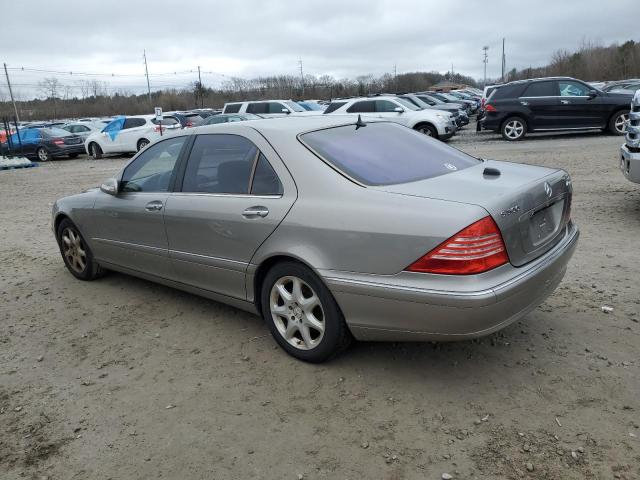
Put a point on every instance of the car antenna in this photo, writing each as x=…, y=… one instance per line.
x=360, y=123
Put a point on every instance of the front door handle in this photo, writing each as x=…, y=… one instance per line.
x=255, y=212
x=154, y=206
x=565, y=102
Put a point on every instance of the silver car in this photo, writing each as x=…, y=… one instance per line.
x=330, y=228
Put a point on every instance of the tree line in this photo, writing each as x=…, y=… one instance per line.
x=591, y=62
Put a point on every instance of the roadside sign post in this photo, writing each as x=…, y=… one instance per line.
x=158, y=112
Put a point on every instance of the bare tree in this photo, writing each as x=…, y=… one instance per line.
x=50, y=87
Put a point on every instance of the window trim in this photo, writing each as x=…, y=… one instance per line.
x=185, y=160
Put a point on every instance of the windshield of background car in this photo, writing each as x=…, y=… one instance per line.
x=406, y=103
x=385, y=153
x=294, y=106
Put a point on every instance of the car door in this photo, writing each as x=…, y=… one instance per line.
x=109, y=138
x=235, y=191
x=541, y=101
x=129, y=226
x=577, y=108
x=132, y=131
x=387, y=109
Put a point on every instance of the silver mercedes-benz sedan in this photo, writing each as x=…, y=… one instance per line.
x=330, y=228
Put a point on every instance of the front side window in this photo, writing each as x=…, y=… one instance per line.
x=220, y=164
x=573, y=89
x=151, y=171
x=276, y=107
x=366, y=106
x=385, y=153
x=541, y=89
x=385, y=106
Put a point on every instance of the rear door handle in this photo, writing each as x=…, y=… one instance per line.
x=154, y=206
x=255, y=212
x=565, y=102
x=524, y=103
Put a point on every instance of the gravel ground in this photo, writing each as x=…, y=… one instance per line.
x=124, y=379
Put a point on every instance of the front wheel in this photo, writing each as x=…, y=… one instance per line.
x=513, y=129
x=43, y=154
x=96, y=151
x=76, y=253
x=618, y=123
x=428, y=130
x=301, y=313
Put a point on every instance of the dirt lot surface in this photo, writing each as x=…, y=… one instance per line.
x=124, y=379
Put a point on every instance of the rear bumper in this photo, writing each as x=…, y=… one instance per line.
x=68, y=150
x=630, y=164
x=406, y=307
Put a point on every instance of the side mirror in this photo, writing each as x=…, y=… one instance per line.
x=593, y=93
x=286, y=110
x=398, y=109
x=110, y=186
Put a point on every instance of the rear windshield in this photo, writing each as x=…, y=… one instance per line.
x=56, y=132
x=385, y=153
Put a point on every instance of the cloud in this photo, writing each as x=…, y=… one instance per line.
x=251, y=37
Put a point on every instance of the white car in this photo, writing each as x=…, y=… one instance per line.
x=268, y=108
x=630, y=150
x=82, y=129
x=435, y=123
x=128, y=134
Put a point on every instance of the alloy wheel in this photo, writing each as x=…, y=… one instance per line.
x=514, y=129
x=297, y=312
x=43, y=155
x=427, y=131
x=73, y=250
x=621, y=123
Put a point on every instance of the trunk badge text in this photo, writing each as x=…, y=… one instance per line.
x=509, y=211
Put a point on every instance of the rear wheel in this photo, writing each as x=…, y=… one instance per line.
x=428, y=130
x=43, y=154
x=76, y=253
x=301, y=313
x=513, y=128
x=618, y=122
x=96, y=151
x=143, y=142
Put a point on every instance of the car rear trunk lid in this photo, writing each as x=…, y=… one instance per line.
x=531, y=205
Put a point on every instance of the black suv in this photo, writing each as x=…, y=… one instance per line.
x=552, y=104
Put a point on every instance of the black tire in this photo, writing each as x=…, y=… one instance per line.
x=513, y=129
x=143, y=142
x=616, y=119
x=336, y=336
x=91, y=269
x=428, y=130
x=73, y=155
x=95, y=151
x=43, y=154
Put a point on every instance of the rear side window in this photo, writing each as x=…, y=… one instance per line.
x=134, y=122
x=265, y=180
x=541, y=89
x=220, y=164
x=232, y=108
x=333, y=106
x=366, y=106
x=508, y=91
x=258, y=107
x=385, y=153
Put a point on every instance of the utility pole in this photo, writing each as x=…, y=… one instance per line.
x=504, y=61
x=146, y=72
x=301, y=77
x=485, y=60
x=15, y=109
x=200, y=88
x=395, y=76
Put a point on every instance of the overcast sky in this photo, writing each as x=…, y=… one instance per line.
x=343, y=38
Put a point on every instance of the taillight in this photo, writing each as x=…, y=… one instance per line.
x=476, y=249
x=482, y=102
x=157, y=128
x=58, y=141
x=489, y=108
x=189, y=124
